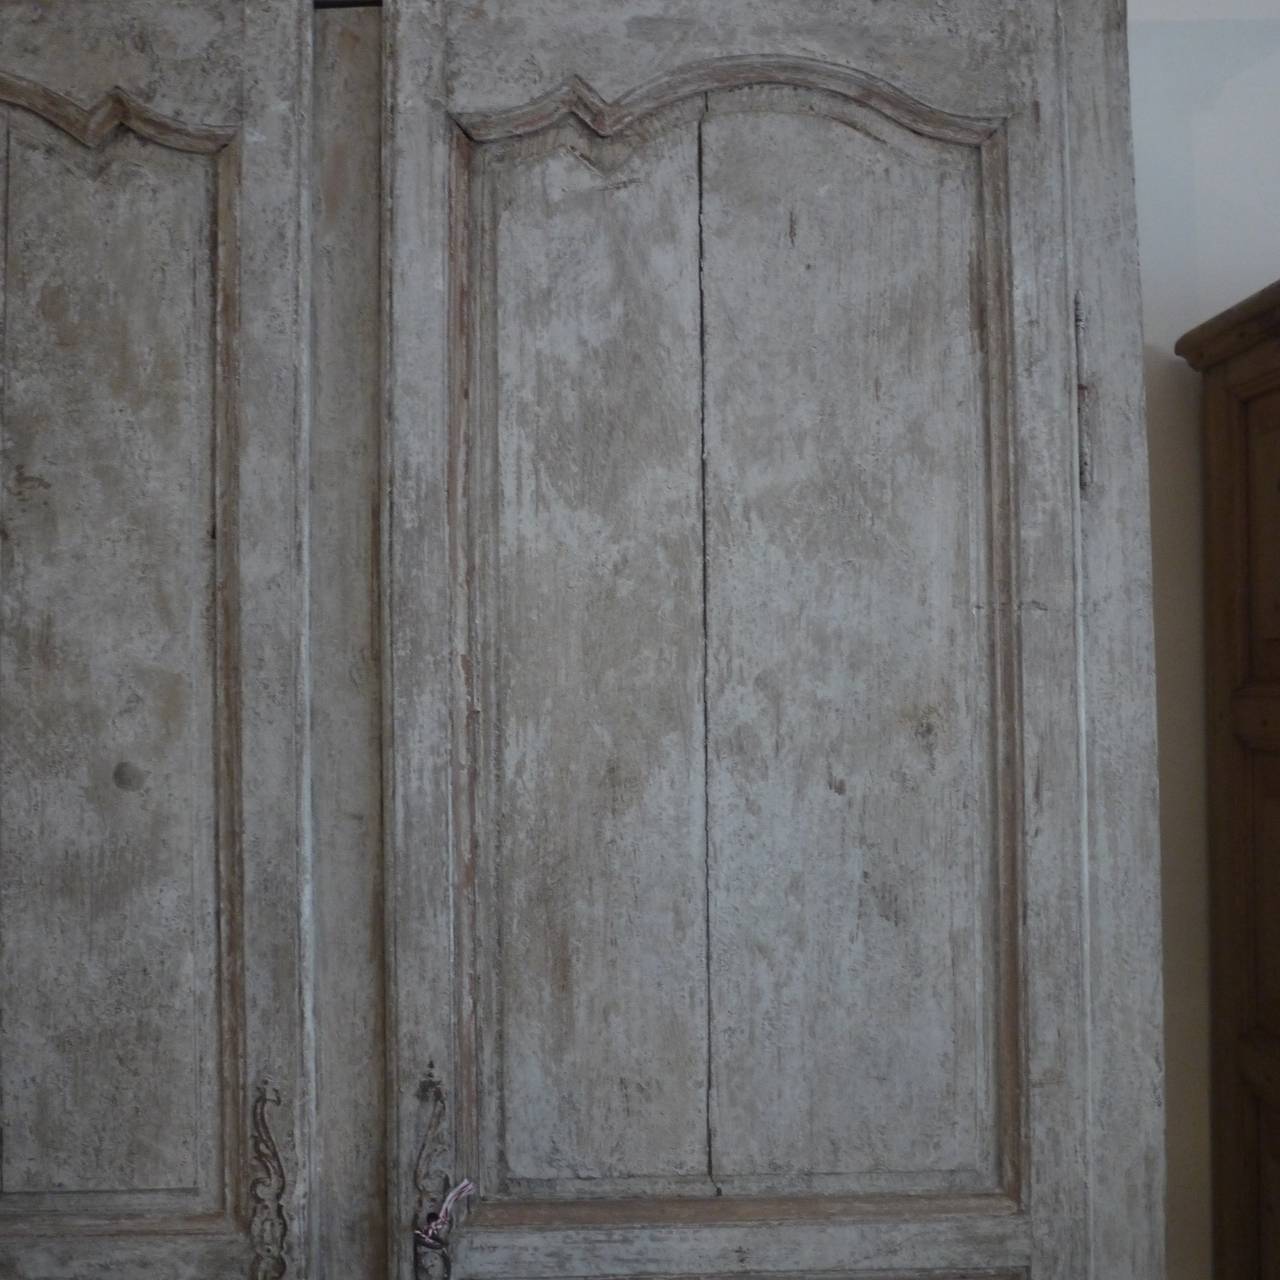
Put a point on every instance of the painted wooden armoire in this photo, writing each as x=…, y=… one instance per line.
x=574, y=611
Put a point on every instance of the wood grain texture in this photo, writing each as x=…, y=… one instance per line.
x=1255, y=717
x=587, y=652
x=273, y=566
x=550, y=588
x=1262, y=461
x=184, y=59
x=611, y=160
x=1122, y=849
x=177, y=621
x=108, y=673
x=424, y=778
x=964, y=56
x=346, y=694
x=1051, y=877
x=114, y=110
x=1232, y=896
x=850, y=714
x=901, y=1245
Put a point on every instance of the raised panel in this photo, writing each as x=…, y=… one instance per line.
x=589, y=595
x=734, y=702
x=853, y=731
x=157, y=1053
x=117, y=772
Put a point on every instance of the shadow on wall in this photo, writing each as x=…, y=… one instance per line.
x=1206, y=113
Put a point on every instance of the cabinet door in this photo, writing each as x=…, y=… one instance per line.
x=762, y=437
x=152, y=1058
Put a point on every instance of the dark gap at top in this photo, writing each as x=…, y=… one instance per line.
x=347, y=4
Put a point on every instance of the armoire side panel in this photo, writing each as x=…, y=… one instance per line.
x=108, y=669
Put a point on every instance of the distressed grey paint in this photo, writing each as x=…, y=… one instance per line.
x=346, y=716
x=1126, y=1085
x=960, y=55
x=107, y=670
x=184, y=58
x=492, y=460
x=589, y=586
x=849, y=620
x=154, y=836
x=999, y=935
x=597, y=833
x=804, y=640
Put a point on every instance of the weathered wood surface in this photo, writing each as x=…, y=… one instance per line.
x=152, y=639
x=750, y=439
x=1122, y=846
x=973, y=1019
x=588, y=660
x=184, y=58
x=346, y=706
x=108, y=681
x=849, y=617
x=895, y=1247
x=964, y=56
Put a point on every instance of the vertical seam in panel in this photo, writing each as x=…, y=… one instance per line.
x=706, y=709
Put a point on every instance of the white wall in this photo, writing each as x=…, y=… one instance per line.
x=1206, y=121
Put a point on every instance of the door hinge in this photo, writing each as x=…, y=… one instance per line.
x=1084, y=398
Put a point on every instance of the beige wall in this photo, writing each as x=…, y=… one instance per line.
x=1206, y=118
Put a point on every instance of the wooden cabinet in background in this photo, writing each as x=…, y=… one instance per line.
x=1239, y=354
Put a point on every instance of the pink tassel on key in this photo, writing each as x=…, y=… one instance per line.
x=434, y=1235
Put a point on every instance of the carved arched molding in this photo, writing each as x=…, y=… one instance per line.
x=116, y=109
x=576, y=98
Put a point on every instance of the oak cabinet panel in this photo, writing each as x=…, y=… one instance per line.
x=1240, y=359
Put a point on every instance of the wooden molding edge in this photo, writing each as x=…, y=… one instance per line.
x=575, y=97
x=1245, y=325
x=116, y=108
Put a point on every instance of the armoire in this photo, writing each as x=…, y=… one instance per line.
x=574, y=611
x=1238, y=354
